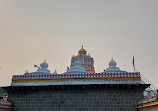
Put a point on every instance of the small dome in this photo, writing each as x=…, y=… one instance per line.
x=42, y=69
x=82, y=51
x=77, y=68
x=112, y=67
x=44, y=65
x=112, y=63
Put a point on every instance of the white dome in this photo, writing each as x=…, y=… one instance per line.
x=112, y=63
x=77, y=68
x=44, y=65
x=43, y=68
x=112, y=67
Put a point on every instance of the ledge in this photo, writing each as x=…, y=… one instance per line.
x=11, y=89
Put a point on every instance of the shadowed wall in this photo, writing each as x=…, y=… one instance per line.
x=76, y=97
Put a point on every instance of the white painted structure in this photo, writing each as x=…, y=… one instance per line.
x=76, y=75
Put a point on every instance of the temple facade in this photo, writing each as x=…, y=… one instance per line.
x=80, y=88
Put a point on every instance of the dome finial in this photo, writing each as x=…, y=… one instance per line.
x=82, y=51
x=44, y=60
x=111, y=58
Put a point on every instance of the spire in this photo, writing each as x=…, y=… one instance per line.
x=82, y=46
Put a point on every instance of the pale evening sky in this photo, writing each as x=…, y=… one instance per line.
x=34, y=30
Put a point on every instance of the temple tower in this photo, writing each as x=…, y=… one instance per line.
x=87, y=61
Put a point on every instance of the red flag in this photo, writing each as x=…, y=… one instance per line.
x=133, y=62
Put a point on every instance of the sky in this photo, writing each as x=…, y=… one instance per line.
x=34, y=30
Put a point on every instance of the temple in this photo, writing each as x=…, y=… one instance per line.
x=80, y=88
x=87, y=61
x=76, y=75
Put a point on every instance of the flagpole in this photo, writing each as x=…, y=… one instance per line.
x=143, y=78
x=133, y=65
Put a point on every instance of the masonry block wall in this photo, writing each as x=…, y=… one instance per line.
x=76, y=97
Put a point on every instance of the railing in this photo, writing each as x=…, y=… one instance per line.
x=73, y=76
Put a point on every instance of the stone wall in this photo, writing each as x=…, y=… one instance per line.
x=76, y=97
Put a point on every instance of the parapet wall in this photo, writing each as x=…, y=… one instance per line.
x=76, y=79
x=122, y=97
